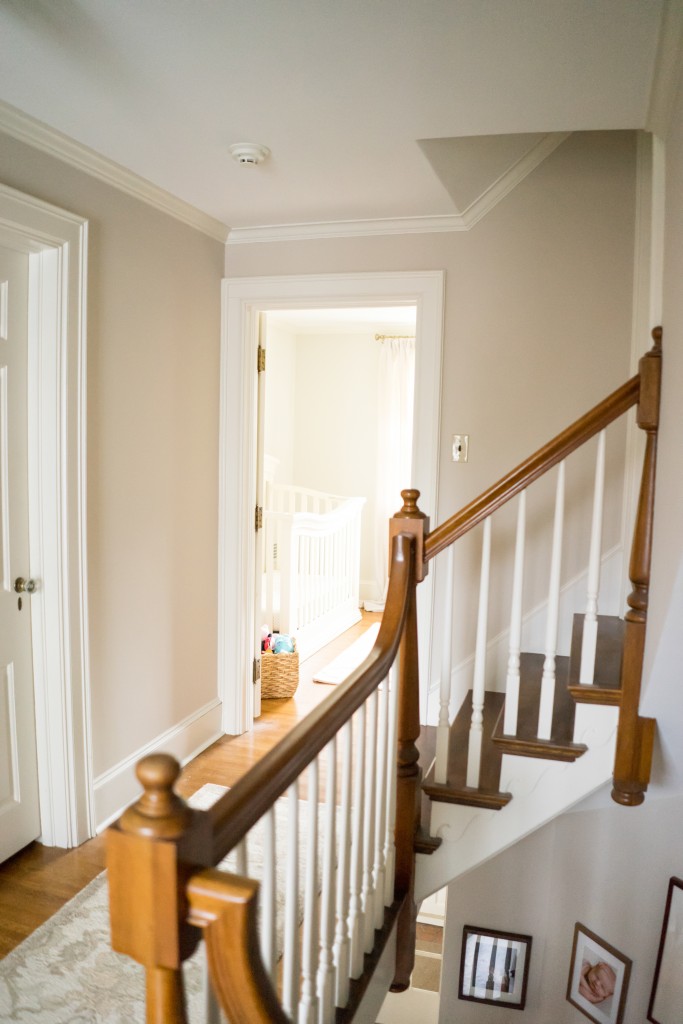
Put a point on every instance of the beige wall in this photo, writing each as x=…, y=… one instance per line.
x=537, y=329
x=605, y=865
x=602, y=868
x=152, y=427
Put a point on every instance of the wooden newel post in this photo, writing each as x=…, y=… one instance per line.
x=151, y=851
x=409, y=775
x=635, y=735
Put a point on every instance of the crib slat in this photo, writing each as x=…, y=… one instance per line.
x=369, y=827
x=341, y=941
x=514, y=654
x=326, y=985
x=545, y=714
x=355, y=898
x=308, y=1004
x=590, y=622
x=443, y=727
x=290, y=956
x=268, y=895
x=479, y=684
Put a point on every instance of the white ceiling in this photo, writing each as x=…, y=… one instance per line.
x=358, y=100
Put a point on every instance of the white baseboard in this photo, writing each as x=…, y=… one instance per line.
x=116, y=789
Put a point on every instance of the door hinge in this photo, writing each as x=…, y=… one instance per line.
x=261, y=359
x=258, y=518
x=256, y=671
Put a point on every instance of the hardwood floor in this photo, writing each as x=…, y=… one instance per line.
x=39, y=880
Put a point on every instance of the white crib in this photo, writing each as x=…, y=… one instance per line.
x=311, y=564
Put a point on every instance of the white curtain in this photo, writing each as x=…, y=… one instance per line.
x=394, y=446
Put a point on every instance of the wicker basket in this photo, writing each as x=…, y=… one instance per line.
x=279, y=675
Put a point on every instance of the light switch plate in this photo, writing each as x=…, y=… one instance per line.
x=461, y=446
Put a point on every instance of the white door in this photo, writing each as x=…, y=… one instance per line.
x=260, y=502
x=19, y=807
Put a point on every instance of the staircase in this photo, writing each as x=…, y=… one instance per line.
x=528, y=742
x=515, y=757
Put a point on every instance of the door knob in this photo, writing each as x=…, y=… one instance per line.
x=23, y=586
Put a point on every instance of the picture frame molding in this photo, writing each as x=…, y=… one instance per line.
x=526, y=940
x=674, y=883
x=618, y=955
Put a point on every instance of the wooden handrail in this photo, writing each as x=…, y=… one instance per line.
x=241, y=807
x=157, y=895
x=535, y=466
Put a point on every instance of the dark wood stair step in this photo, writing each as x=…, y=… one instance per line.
x=610, y=643
x=456, y=791
x=560, y=747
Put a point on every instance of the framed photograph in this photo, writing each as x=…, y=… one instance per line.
x=494, y=967
x=667, y=988
x=598, y=978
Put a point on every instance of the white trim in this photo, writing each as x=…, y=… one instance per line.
x=48, y=140
x=437, y=223
x=117, y=788
x=667, y=69
x=57, y=523
x=512, y=177
x=242, y=300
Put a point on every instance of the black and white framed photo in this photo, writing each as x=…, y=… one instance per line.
x=667, y=988
x=494, y=967
x=598, y=978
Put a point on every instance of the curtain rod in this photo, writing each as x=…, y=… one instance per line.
x=386, y=337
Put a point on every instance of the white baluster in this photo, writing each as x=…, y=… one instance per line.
x=443, y=728
x=326, y=986
x=381, y=801
x=355, y=900
x=241, y=858
x=545, y=714
x=514, y=652
x=308, y=1004
x=341, y=941
x=479, y=683
x=389, y=844
x=290, y=956
x=590, y=622
x=369, y=827
x=267, y=895
x=212, y=1009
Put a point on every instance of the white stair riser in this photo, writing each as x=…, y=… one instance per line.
x=540, y=790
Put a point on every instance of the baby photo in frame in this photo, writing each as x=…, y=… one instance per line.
x=598, y=978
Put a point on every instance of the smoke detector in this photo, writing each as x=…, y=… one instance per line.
x=249, y=154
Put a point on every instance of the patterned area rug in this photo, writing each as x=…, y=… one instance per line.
x=67, y=973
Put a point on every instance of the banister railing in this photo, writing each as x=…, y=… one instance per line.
x=634, y=734
x=552, y=453
x=164, y=884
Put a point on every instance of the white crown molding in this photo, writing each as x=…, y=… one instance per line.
x=512, y=177
x=434, y=224
x=48, y=140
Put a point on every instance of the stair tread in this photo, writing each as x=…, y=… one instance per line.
x=456, y=789
x=606, y=689
x=560, y=746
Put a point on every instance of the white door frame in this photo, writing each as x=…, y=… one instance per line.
x=242, y=301
x=57, y=244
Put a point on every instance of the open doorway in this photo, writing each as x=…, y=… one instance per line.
x=245, y=300
x=337, y=429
